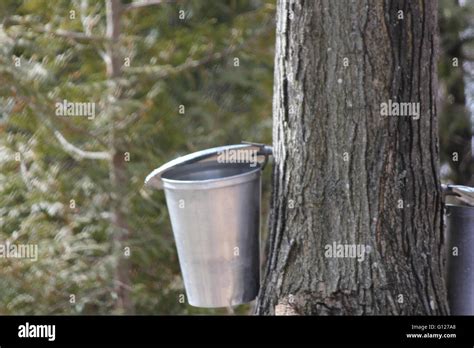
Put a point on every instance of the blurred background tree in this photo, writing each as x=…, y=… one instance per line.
x=166, y=80
x=456, y=70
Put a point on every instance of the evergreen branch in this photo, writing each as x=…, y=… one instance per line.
x=73, y=35
x=164, y=71
x=67, y=146
x=65, y=34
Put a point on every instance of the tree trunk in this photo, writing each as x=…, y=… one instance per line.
x=346, y=174
x=118, y=174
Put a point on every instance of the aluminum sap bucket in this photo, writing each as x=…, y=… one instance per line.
x=460, y=276
x=214, y=209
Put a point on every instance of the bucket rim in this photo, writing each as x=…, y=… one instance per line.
x=459, y=207
x=251, y=174
x=460, y=210
x=154, y=178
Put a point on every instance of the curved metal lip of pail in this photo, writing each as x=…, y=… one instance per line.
x=238, y=173
x=460, y=210
x=261, y=151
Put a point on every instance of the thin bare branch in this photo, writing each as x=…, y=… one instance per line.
x=144, y=3
x=25, y=176
x=74, y=35
x=79, y=153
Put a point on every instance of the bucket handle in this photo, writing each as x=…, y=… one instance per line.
x=264, y=150
x=463, y=193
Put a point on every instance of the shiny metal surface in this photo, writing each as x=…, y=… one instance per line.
x=459, y=195
x=460, y=273
x=215, y=214
x=154, y=178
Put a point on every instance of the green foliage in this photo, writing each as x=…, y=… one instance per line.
x=456, y=125
x=173, y=62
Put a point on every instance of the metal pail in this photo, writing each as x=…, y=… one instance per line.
x=460, y=276
x=214, y=207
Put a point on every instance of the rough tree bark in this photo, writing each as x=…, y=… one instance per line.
x=342, y=170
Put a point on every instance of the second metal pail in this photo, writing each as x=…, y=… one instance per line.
x=460, y=276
